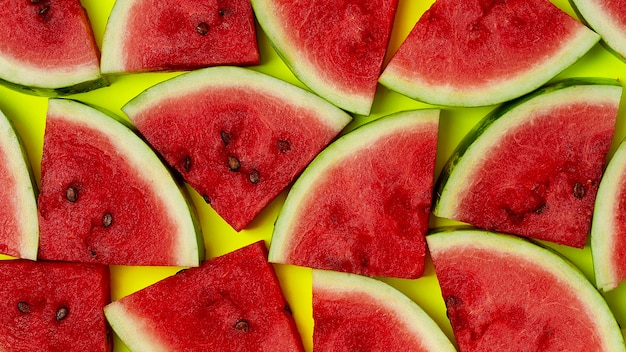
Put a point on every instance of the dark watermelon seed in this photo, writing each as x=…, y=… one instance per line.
x=23, y=307
x=71, y=194
x=225, y=137
x=92, y=252
x=202, y=28
x=107, y=220
x=284, y=145
x=187, y=163
x=579, y=190
x=34, y=1
x=206, y=199
x=288, y=309
x=254, y=177
x=233, y=163
x=43, y=10
x=62, y=313
x=242, y=325
x=222, y=12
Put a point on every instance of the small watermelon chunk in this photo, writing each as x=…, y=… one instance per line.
x=53, y=306
x=229, y=303
x=48, y=48
x=532, y=167
x=158, y=35
x=608, y=228
x=334, y=47
x=478, y=52
x=358, y=313
x=607, y=18
x=19, y=233
x=503, y=293
x=237, y=136
x=362, y=206
x=106, y=197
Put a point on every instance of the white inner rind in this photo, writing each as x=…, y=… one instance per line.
x=116, y=31
x=133, y=330
x=592, y=303
x=604, y=23
x=414, y=319
x=147, y=166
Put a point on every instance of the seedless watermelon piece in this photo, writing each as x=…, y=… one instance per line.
x=230, y=303
x=106, y=197
x=156, y=35
x=362, y=206
x=358, y=313
x=53, y=306
x=336, y=48
x=532, y=166
x=48, y=48
x=477, y=52
x=608, y=228
x=19, y=233
x=607, y=18
x=237, y=136
x=504, y=293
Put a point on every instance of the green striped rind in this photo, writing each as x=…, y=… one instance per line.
x=451, y=182
x=53, y=91
x=455, y=239
x=392, y=302
x=613, y=34
x=189, y=250
x=604, y=229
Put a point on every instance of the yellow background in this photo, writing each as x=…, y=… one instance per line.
x=28, y=114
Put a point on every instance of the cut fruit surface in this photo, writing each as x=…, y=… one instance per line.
x=607, y=18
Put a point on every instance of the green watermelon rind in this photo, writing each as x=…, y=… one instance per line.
x=189, y=250
x=462, y=163
x=416, y=321
x=604, y=228
x=591, y=14
x=499, y=91
x=304, y=187
x=563, y=271
x=26, y=188
x=40, y=89
x=112, y=58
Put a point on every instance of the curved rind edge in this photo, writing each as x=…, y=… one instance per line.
x=591, y=14
x=132, y=329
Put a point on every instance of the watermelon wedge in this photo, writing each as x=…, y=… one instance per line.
x=336, y=48
x=237, y=136
x=358, y=313
x=106, y=197
x=48, y=48
x=532, y=166
x=19, y=233
x=158, y=35
x=53, y=306
x=230, y=303
x=608, y=19
x=608, y=228
x=477, y=52
x=503, y=293
x=362, y=206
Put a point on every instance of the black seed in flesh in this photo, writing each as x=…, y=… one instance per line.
x=242, y=325
x=43, y=10
x=233, y=163
x=222, y=12
x=62, y=313
x=34, y=1
x=288, y=309
x=579, y=190
x=92, y=252
x=284, y=145
x=107, y=220
x=225, y=137
x=187, y=163
x=202, y=28
x=71, y=194
x=23, y=307
x=254, y=177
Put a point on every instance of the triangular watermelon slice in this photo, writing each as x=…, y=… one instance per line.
x=362, y=206
x=607, y=18
x=334, y=47
x=503, y=293
x=608, y=228
x=19, y=233
x=358, y=313
x=54, y=306
x=532, y=166
x=157, y=35
x=477, y=52
x=106, y=197
x=229, y=303
x=48, y=48
x=237, y=136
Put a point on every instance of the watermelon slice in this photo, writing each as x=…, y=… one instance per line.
x=358, y=313
x=157, y=35
x=478, y=52
x=336, y=48
x=48, y=48
x=106, y=197
x=237, y=136
x=53, y=306
x=503, y=293
x=362, y=206
x=607, y=18
x=608, y=228
x=532, y=167
x=19, y=233
x=230, y=303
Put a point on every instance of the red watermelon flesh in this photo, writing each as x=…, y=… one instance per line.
x=149, y=35
x=53, y=306
x=230, y=303
x=607, y=18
